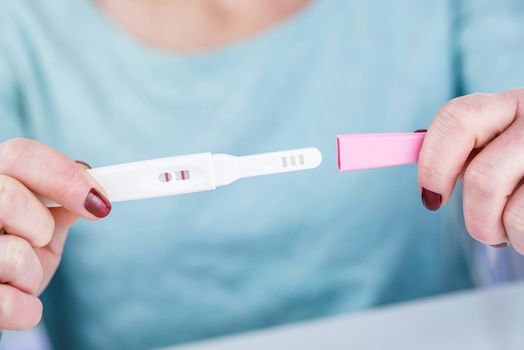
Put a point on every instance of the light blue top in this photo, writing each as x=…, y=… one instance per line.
x=268, y=250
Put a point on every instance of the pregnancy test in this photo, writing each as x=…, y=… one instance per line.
x=365, y=151
x=194, y=173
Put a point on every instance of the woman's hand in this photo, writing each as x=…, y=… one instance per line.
x=481, y=137
x=31, y=235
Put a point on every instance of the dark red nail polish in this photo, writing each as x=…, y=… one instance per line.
x=97, y=204
x=500, y=245
x=431, y=200
x=84, y=164
x=421, y=130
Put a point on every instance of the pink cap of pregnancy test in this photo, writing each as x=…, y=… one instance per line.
x=364, y=151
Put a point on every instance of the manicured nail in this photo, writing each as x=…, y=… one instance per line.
x=431, y=200
x=97, y=204
x=500, y=245
x=421, y=130
x=83, y=163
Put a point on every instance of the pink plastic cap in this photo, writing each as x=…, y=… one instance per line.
x=364, y=151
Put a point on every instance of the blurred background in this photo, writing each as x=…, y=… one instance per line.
x=339, y=66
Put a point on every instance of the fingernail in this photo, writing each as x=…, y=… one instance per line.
x=421, y=130
x=97, y=204
x=83, y=163
x=500, y=245
x=431, y=200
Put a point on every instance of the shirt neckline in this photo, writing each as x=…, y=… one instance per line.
x=287, y=30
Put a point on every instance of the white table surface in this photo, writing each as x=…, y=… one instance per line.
x=478, y=320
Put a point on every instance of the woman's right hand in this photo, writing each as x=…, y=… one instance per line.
x=31, y=235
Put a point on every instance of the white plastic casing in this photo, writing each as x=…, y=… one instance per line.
x=230, y=168
x=143, y=179
x=194, y=173
x=140, y=180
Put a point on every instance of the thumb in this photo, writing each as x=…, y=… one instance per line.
x=64, y=218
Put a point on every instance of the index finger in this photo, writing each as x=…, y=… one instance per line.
x=461, y=126
x=54, y=176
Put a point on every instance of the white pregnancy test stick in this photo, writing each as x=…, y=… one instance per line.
x=194, y=173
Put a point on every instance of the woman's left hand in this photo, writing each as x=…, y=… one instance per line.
x=481, y=137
